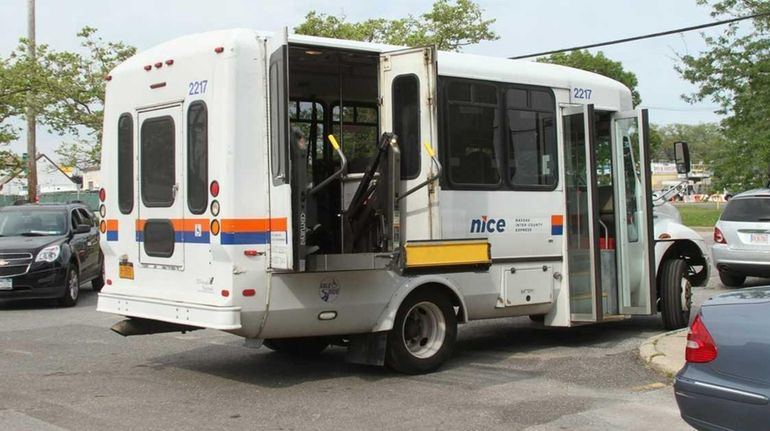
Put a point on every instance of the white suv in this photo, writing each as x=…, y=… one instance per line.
x=742, y=238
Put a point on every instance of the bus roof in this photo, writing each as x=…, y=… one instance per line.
x=449, y=63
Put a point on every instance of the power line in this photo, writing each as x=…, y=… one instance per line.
x=646, y=36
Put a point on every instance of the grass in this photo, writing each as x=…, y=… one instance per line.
x=700, y=214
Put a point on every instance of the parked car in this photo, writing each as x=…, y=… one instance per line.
x=725, y=384
x=742, y=238
x=48, y=251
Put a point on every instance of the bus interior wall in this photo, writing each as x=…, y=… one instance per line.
x=331, y=91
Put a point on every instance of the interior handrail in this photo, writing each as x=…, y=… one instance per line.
x=430, y=179
x=340, y=171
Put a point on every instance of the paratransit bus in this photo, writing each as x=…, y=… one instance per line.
x=303, y=191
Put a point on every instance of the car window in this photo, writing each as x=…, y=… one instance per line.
x=33, y=222
x=75, y=219
x=86, y=217
x=752, y=209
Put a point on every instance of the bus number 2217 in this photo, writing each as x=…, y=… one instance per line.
x=197, y=87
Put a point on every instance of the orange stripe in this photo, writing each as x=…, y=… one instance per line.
x=112, y=224
x=557, y=220
x=254, y=225
x=228, y=225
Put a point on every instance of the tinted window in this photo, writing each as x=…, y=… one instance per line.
x=307, y=117
x=278, y=116
x=86, y=217
x=197, y=158
x=531, y=148
x=406, y=123
x=125, y=163
x=158, y=162
x=747, y=209
x=473, y=136
x=158, y=238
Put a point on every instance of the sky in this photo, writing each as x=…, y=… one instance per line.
x=524, y=27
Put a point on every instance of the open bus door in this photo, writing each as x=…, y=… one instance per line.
x=633, y=212
x=281, y=224
x=408, y=93
x=608, y=215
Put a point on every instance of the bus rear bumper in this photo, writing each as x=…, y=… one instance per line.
x=204, y=316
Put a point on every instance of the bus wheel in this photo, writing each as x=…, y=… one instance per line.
x=676, y=294
x=423, y=334
x=306, y=346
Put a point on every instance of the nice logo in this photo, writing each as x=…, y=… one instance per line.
x=487, y=225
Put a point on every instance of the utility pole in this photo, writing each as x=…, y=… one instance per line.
x=31, y=112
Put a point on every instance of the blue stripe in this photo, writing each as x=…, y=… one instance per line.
x=112, y=235
x=189, y=237
x=139, y=236
x=557, y=229
x=245, y=238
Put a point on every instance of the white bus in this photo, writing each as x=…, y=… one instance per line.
x=305, y=191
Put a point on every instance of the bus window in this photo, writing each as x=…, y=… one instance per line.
x=473, y=135
x=406, y=123
x=126, y=164
x=531, y=143
x=158, y=162
x=359, y=134
x=278, y=116
x=308, y=118
x=197, y=158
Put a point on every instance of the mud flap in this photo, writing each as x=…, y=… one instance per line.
x=367, y=349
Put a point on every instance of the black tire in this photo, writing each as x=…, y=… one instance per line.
x=673, y=278
x=426, y=306
x=306, y=346
x=98, y=282
x=731, y=279
x=71, y=288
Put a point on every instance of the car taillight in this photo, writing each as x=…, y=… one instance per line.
x=700, y=346
x=718, y=237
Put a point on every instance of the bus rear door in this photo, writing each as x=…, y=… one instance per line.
x=160, y=226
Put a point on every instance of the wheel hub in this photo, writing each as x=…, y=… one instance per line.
x=424, y=330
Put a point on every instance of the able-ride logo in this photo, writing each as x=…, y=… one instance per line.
x=485, y=224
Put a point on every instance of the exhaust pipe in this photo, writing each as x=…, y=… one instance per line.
x=137, y=326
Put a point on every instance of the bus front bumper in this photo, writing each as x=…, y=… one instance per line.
x=204, y=316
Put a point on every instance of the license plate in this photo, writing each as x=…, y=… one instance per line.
x=126, y=270
x=760, y=238
x=6, y=284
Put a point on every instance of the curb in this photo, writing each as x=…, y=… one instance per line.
x=656, y=357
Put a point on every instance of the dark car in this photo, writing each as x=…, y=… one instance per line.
x=48, y=251
x=725, y=384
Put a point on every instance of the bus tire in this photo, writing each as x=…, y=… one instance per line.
x=423, y=335
x=676, y=294
x=305, y=346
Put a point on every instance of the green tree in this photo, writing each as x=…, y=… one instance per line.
x=599, y=63
x=705, y=140
x=449, y=26
x=75, y=96
x=734, y=72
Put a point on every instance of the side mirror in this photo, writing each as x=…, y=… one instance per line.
x=83, y=228
x=681, y=157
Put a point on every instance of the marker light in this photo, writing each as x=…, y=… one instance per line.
x=102, y=210
x=169, y=62
x=215, y=208
x=214, y=229
x=249, y=292
x=148, y=67
x=158, y=65
x=108, y=78
x=102, y=195
x=103, y=226
x=214, y=189
x=225, y=293
x=219, y=49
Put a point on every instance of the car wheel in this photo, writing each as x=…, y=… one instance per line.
x=423, y=334
x=98, y=282
x=675, y=294
x=731, y=279
x=71, y=288
x=306, y=346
